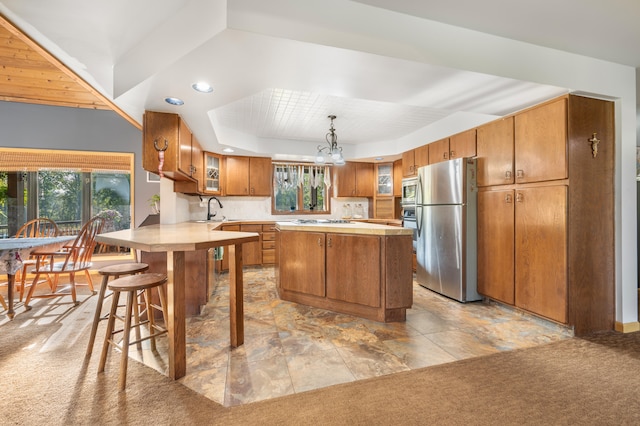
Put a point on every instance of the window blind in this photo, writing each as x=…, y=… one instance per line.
x=31, y=160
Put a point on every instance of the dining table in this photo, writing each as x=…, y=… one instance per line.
x=14, y=250
x=175, y=240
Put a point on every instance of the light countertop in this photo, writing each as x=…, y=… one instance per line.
x=185, y=236
x=362, y=228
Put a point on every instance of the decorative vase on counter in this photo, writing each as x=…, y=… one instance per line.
x=346, y=211
x=358, y=211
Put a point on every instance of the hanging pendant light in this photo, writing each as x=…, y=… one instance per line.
x=332, y=150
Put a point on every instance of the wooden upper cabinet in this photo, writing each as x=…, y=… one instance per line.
x=384, y=179
x=365, y=178
x=212, y=172
x=354, y=180
x=168, y=130
x=421, y=156
x=197, y=163
x=408, y=163
x=344, y=180
x=186, y=148
x=237, y=179
x=541, y=143
x=495, y=153
x=463, y=144
x=260, y=170
x=439, y=151
x=248, y=176
x=413, y=159
x=397, y=178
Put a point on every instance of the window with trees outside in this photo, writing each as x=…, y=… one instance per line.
x=68, y=187
x=301, y=188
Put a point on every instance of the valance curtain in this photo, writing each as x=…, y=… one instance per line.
x=289, y=175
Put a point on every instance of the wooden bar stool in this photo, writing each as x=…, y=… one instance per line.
x=115, y=271
x=133, y=285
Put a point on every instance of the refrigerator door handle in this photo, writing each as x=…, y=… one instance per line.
x=419, y=206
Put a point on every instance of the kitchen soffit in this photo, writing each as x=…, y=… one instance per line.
x=92, y=40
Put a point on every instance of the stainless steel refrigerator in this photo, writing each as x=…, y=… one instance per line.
x=446, y=216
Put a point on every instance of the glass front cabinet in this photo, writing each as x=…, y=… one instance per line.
x=212, y=173
x=384, y=179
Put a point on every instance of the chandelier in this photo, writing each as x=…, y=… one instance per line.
x=331, y=150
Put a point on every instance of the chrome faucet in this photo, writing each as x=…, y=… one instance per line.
x=209, y=215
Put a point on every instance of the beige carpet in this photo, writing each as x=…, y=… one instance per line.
x=578, y=381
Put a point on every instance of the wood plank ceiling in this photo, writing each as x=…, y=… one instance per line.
x=30, y=74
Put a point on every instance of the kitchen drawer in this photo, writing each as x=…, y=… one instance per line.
x=269, y=228
x=266, y=245
x=268, y=257
x=268, y=236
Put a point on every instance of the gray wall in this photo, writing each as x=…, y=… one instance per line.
x=38, y=126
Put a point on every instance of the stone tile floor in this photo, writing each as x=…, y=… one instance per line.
x=292, y=348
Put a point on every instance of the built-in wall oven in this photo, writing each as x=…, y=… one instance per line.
x=409, y=221
x=409, y=192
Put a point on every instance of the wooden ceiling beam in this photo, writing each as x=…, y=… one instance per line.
x=30, y=74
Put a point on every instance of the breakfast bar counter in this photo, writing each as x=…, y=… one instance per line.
x=176, y=240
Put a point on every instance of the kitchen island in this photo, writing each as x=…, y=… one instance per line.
x=356, y=268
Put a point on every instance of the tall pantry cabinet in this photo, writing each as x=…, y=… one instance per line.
x=545, y=211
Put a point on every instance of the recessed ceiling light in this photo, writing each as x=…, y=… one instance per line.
x=174, y=101
x=228, y=150
x=379, y=158
x=202, y=87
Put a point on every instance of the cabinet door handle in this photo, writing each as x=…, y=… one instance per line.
x=519, y=197
x=507, y=175
x=520, y=174
x=444, y=155
x=452, y=154
x=319, y=242
x=329, y=242
x=508, y=199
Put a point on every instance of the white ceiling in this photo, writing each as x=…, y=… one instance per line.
x=280, y=67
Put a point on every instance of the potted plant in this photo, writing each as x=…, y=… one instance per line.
x=154, y=202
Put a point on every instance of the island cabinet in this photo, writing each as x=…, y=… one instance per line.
x=353, y=180
x=170, y=133
x=302, y=274
x=368, y=276
x=248, y=176
x=353, y=269
x=541, y=231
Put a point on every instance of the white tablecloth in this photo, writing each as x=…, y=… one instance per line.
x=13, y=250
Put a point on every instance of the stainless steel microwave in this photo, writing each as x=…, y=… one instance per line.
x=409, y=191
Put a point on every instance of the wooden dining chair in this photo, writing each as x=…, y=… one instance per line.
x=72, y=259
x=40, y=227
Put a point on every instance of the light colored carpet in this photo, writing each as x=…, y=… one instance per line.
x=593, y=380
